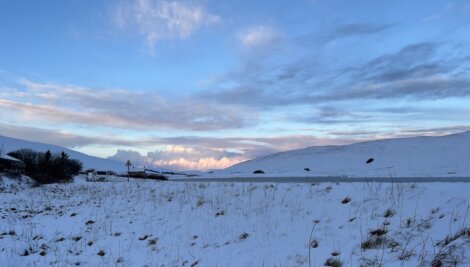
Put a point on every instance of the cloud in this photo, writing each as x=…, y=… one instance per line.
x=134, y=157
x=400, y=132
x=432, y=88
x=438, y=130
x=421, y=71
x=343, y=31
x=157, y=20
x=411, y=61
x=206, y=163
x=110, y=108
x=59, y=137
x=332, y=115
x=258, y=36
x=358, y=29
x=193, y=152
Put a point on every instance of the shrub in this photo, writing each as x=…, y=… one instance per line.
x=220, y=213
x=258, y=172
x=333, y=262
x=146, y=175
x=314, y=244
x=389, y=213
x=346, y=200
x=378, y=232
x=244, y=236
x=377, y=239
x=373, y=242
x=152, y=242
x=45, y=167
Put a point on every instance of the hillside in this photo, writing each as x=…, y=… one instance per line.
x=11, y=144
x=441, y=156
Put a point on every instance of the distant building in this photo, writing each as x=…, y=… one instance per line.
x=93, y=175
x=11, y=165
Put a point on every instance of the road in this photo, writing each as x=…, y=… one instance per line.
x=327, y=179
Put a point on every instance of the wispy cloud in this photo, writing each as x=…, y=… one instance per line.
x=357, y=29
x=54, y=137
x=118, y=108
x=418, y=89
x=343, y=31
x=331, y=115
x=411, y=61
x=419, y=71
x=258, y=36
x=157, y=20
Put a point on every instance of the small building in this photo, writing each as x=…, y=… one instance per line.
x=11, y=165
x=90, y=175
x=101, y=175
x=93, y=175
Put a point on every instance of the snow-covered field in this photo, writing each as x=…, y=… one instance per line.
x=150, y=223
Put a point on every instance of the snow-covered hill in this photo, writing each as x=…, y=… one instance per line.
x=11, y=144
x=440, y=156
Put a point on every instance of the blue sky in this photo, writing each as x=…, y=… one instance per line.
x=205, y=84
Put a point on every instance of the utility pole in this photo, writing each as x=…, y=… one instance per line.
x=128, y=164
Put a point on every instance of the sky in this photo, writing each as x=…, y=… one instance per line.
x=207, y=84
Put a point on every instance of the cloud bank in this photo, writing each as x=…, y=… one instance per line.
x=117, y=108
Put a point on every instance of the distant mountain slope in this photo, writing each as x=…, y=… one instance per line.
x=439, y=156
x=10, y=144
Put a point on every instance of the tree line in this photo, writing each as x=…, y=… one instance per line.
x=46, y=167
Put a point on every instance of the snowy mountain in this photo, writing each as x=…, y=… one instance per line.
x=10, y=144
x=440, y=156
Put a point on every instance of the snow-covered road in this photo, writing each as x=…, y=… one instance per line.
x=327, y=180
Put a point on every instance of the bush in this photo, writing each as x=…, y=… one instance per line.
x=151, y=176
x=346, y=200
x=258, y=172
x=333, y=262
x=45, y=167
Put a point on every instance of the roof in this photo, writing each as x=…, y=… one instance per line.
x=9, y=158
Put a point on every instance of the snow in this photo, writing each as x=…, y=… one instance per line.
x=14, y=184
x=89, y=162
x=177, y=223
x=233, y=224
x=9, y=158
x=441, y=156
